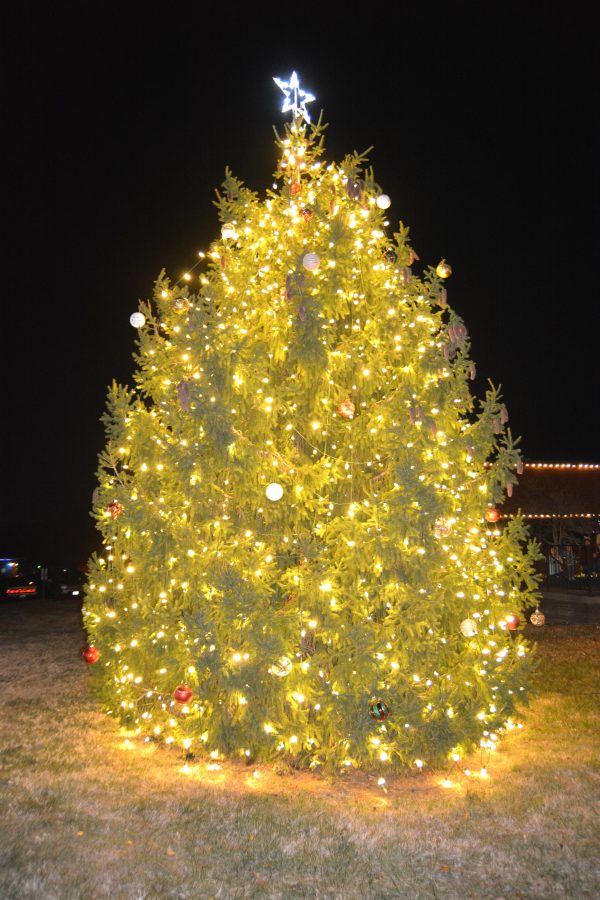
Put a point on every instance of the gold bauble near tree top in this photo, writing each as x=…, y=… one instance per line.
x=443, y=269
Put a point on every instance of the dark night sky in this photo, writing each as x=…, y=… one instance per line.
x=483, y=123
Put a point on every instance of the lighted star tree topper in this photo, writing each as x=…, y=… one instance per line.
x=302, y=554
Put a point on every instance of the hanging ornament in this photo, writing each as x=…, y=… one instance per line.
x=307, y=213
x=295, y=188
x=115, y=509
x=472, y=372
x=406, y=275
x=443, y=298
x=181, y=305
x=354, y=188
x=413, y=256
x=346, y=409
x=95, y=493
x=468, y=627
x=441, y=528
x=228, y=232
x=307, y=642
x=137, y=319
x=497, y=424
x=443, y=269
x=183, y=693
x=223, y=263
x=509, y=489
x=183, y=394
x=311, y=262
x=281, y=668
x=537, y=618
x=390, y=255
x=492, y=514
x=379, y=710
x=90, y=654
x=383, y=201
x=512, y=622
x=520, y=467
x=274, y=491
x=503, y=415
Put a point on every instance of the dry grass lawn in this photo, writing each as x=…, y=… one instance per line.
x=85, y=814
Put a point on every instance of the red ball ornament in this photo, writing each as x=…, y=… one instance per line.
x=512, y=622
x=306, y=214
x=183, y=693
x=115, y=509
x=90, y=654
x=346, y=409
x=492, y=514
x=295, y=188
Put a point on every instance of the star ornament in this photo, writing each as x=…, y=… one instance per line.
x=295, y=98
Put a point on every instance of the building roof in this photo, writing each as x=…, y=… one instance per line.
x=556, y=491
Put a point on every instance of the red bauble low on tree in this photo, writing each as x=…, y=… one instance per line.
x=492, y=514
x=346, y=409
x=90, y=654
x=183, y=693
x=512, y=622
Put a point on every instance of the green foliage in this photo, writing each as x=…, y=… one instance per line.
x=289, y=618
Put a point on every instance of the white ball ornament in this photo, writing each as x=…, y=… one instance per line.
x=468, y=627
x=274, y=491
x=383, y=201
x=228, y=232
x=137, y=319
x=311, y=262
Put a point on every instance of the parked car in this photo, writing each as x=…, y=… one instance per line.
x=16, y=583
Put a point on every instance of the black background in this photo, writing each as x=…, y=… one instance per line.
x=119, y=126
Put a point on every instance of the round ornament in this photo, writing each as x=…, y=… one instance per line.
x=512, y=622
x=379, y=710
x=274, y=491
x=90, y=654
x=137, y=319
x=537, y=618
x=306, y=213
x=115, y=509
x=468, y=627
x=183, y=693
x=282, y=667
x=346, y=409
x=443, y=269
x=390, y=255
x=383, y=201
x=492, y=514
x=228, y=232
x=295, y=188
x=441, y=529
x=311, y=262
x=180, y=305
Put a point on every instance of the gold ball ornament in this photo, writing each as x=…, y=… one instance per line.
x=282, y=667
x=469, y=628
x=537, y=618
x=443, y=269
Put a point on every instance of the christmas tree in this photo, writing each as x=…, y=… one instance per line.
x=298, y=499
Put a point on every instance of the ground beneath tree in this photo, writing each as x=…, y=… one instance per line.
x=89, y=812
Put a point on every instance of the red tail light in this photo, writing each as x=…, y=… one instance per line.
x=23, y=590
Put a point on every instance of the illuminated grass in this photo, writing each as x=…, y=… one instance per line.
x=88, y=813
